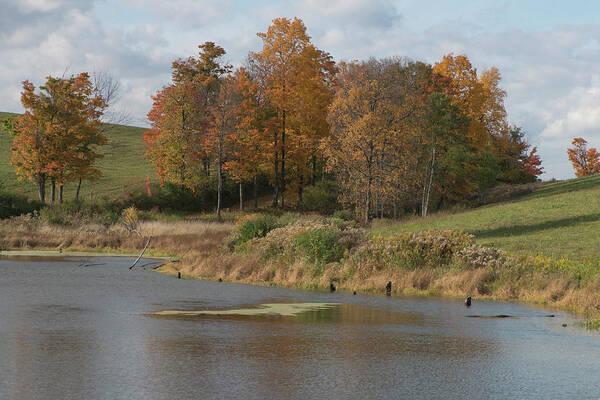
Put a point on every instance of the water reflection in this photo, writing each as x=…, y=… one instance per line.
x=84, y=333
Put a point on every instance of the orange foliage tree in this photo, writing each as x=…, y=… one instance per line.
x=55, y=138
x=295, y=78
x=585, y=161
x=180, y=140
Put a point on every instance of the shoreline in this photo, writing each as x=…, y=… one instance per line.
x=199, y=250
x=166, y=269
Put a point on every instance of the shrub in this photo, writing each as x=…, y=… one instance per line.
x=322, y=198
x=257, y=227
x=131, y=219
x=410, y=250
x=345, y=215
x=14, y=205
x=475, y=256
x=320, y=245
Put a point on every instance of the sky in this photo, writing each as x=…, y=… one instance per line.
x=548, y=52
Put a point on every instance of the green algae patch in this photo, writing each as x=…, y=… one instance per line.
x=277, y=309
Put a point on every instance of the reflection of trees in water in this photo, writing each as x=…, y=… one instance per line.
x=340, y=351
x=49, y=361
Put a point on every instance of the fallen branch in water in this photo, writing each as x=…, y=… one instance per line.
x=141, y=254
x=176, y=260
x=90, y=265
x=158, y=264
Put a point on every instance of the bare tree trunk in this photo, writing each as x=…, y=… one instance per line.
x=52, y=191
x=300, y=190
x=60, y=193
x=276, y=180
x=427, y=190
x=369, y=182
x=255, y=192
x=41, y=181
x=78, y=189
x=368, y=202
x=313, y=172
x=283, y=162
x=220, y=176
x=241, y=196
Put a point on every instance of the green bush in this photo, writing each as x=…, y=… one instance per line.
x=322, y=198
x=257, y=227
x=345, y=215
x=77, y=212
x=320, y=245
x=13, y=205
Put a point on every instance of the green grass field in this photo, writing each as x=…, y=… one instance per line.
x=123, y=166
x=559, y=219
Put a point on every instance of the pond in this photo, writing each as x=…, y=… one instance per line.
x=77, y=328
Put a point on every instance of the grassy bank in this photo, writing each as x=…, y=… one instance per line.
x=558, y=220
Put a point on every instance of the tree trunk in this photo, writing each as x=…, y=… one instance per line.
x=52, y=191
x=78, y=189
x=255, y=192
x=300, y=189
x=60, y=193
x=427, y=190
x=241, y=197
x=41, y=181
x=313, y=173
x=220, y=176
x=283, y=162
x=276, y=180
x=368, y=202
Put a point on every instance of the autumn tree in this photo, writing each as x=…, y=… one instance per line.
x=180, y=141
x=585, y=161
x=369, y=120
x=55, y=138
x=443, y=127
x=533, y=164
x=224, y=124
x=249, y=141
x=295, y=77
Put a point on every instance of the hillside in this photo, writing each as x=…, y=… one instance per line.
x=559, y=219
x=123, y=166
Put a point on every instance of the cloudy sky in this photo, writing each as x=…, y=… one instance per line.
x=548, y=51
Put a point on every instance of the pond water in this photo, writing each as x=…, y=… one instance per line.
x=91, y=332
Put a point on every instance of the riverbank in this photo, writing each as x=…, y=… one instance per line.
x=314, y=252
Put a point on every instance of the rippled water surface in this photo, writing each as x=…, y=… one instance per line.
x=89, y=332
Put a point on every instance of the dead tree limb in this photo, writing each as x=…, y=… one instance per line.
x=141, y=254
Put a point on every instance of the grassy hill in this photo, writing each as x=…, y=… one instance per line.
x=560, y=219
x=123, y=166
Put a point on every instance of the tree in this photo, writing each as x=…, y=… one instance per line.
x=292, y=74
x=181, y=140
x=224, y=124
x=533, y=164
x=370, y=124
x=444, y=124
x=249, y=140
x=478, y=96
x=55, y=138
x=585, y=161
